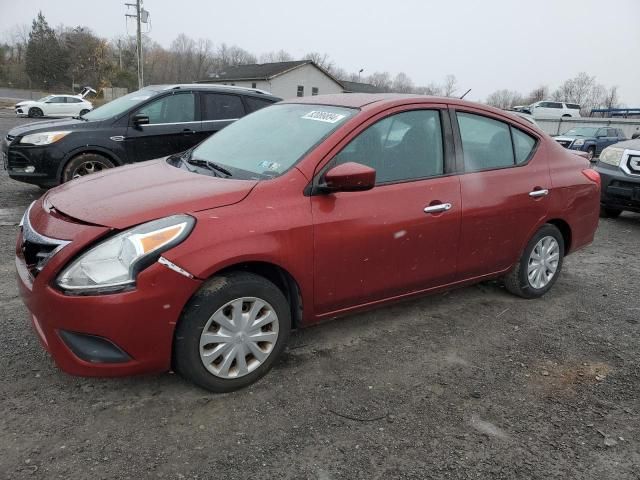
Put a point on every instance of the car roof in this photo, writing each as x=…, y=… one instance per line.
x=367, y=100
x=209, y=86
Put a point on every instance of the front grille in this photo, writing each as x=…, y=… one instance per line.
x=36, y=248
x=17, y=160
x=564, y=143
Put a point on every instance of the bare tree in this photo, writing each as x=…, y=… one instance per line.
x=610, y=99
x=402, y=83
x=450, y=85
x=322, y=60
x=504, y=99
x=381, y=80
x=279, y=56
x=537, y=94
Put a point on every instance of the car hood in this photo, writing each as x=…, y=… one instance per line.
x=64, y=124
x=127, y=196
x=628, y=144
x=26, y=102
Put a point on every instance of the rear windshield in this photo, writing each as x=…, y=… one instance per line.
x=120, y=105
x=268, y=142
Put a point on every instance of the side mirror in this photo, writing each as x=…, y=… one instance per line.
x=349, y=177
x=140, y=119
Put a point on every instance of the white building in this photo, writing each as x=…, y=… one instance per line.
x=283, y=79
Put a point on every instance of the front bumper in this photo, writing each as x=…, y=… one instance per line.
x=33, y=164
x=619, y=190
x=139, y=323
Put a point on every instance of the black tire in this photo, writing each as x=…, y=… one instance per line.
x=591, y=151
x=84, y=112
x=35, y=112
x=79, y=165
x=566, y=116
x=606, y=212
x=213, y=295
x=517, y=281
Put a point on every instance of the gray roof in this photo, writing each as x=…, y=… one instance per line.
x=357, y=87
x=255, y=71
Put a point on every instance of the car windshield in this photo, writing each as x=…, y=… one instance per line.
x=582, y=131
x=120, y=105
x=44, y=99
x=268, y=142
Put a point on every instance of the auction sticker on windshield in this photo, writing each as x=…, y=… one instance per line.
x=323, y=116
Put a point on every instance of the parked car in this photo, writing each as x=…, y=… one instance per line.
x=548, y=109
x=590, y=139
x=56, y=105
x=301, y=212
x=156, y=121
x=619, y=167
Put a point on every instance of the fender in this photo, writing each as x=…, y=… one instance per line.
x=87, y=149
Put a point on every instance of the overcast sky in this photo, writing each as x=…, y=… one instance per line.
x=487, y=44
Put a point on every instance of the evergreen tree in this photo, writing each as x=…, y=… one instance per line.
x=46, y=60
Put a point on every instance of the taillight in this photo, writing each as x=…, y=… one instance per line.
x=592, y=175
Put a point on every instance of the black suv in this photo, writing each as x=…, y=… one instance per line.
x=153, y=122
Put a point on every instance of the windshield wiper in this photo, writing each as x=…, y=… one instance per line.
x=210, y=165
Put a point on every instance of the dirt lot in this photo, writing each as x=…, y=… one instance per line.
x=470, y=384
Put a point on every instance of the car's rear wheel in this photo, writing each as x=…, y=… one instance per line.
x=85, y=164
x=591, y=153
x=606, y=212
x=35, y=112
x=539, y=266
x=84, y=111
x=231, y=332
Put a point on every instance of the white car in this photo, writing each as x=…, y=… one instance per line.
x=548, y=109
x=56, y=106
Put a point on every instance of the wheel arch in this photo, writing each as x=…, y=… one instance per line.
x=565, y=230
x=117, y=161
x=280, y=277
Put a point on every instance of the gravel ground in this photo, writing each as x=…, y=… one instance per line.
x=474, y=383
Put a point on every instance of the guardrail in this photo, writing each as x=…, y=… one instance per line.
x=557, y=126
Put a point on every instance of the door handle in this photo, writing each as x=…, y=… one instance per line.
x=188, y=131
x=440, y=207
x=543, y=192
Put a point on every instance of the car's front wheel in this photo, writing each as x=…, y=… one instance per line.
x=591, y=153
x=231, y=332
x=35, y=112
x=539, y=266
x=84, y=111
x=85, y=164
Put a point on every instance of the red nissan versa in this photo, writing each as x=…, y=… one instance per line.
x=298, y=213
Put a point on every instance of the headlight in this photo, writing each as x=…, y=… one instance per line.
x=114, y=263
x=578, y=142
x=612, y=156
x=44, y=138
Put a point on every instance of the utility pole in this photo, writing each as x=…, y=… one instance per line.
x=138, y=8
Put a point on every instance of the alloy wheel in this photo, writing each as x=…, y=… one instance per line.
x=543, y=262
x=238, y=337
x=87, y=168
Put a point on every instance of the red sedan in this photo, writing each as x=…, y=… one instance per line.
x=301, y=212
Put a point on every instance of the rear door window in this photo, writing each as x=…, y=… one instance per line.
x=175, y=108
x=254, y=103
x=554, y=105
x=573, y=106
x=221, y=106
x=486, y=143
x=612, y=132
